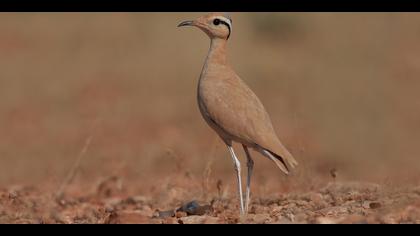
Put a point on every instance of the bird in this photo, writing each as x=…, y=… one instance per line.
x=232, y=109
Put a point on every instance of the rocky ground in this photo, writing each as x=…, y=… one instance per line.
x=334, y=203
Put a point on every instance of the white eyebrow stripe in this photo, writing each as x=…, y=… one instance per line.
x=227, y=20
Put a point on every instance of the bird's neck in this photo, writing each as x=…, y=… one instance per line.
x=217, y=52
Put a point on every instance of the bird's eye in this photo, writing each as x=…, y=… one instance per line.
x=216, y=22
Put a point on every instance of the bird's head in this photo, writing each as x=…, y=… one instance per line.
x=215, y=25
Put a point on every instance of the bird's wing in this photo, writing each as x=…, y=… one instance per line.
x=235, y=108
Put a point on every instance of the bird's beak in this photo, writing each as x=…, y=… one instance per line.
x=186, y=23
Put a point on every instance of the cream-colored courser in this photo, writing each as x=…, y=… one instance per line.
x=231, y=108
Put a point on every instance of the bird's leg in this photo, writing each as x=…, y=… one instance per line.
x=238, y=173
x=250, y=165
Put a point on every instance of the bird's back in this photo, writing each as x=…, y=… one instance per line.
x=240, y=116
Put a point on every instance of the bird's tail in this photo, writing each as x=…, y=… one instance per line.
x=283, y=162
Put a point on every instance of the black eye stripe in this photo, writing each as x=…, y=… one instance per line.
x=225, y=23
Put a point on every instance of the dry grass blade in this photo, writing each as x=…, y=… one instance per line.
x=72, y=173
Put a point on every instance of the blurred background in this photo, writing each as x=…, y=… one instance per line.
x=342, y=90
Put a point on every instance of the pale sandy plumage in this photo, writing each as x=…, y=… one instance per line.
x=230, y=107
